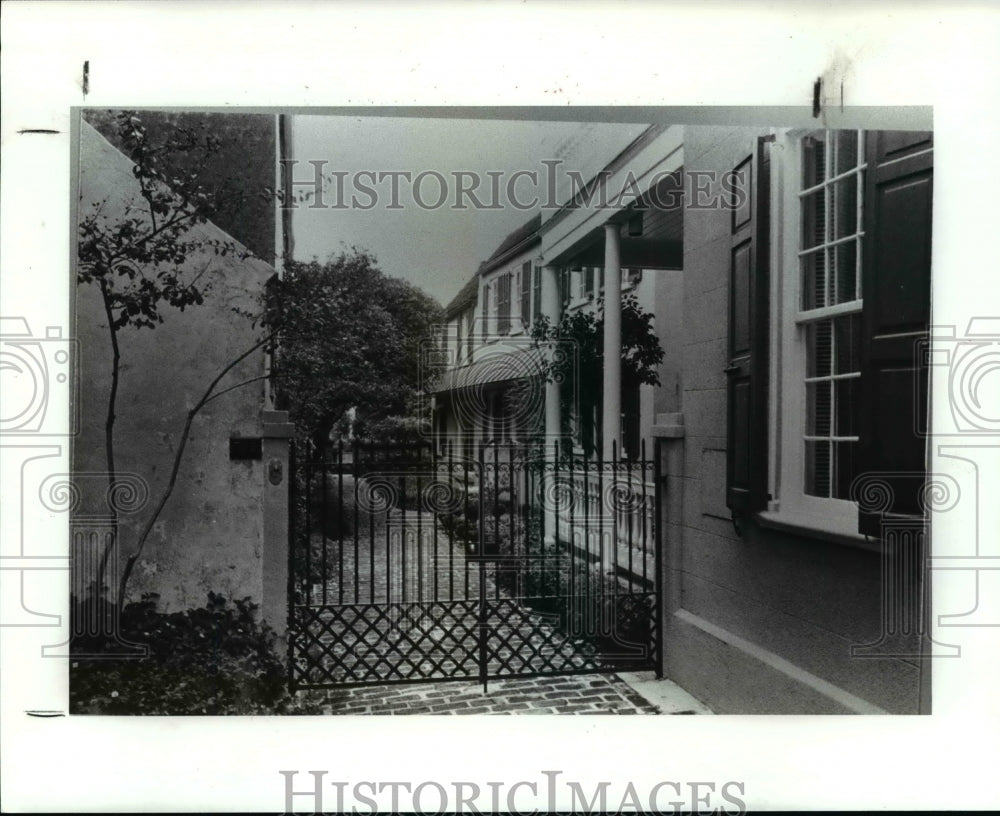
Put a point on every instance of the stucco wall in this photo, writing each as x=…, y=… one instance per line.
x=248, y=147
x=209, y=537
x=764, y=622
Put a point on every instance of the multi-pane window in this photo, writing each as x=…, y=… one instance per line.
x=829, y=317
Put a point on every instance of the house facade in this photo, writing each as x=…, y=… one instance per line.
x=788, y=275
x=489, y=389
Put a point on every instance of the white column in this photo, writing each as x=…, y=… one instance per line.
x=612, y=383
x=550, y=307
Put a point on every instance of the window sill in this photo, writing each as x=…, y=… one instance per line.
x=812, y=527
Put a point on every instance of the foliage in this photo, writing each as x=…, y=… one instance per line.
x=350, y=339
x=140, y=260
x=214, y=660
x=399, y=430
x=589, y=603
x=581, y=370
x=641, y=350
x=137, y=259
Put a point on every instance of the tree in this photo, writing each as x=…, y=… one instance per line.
x=141, y=262
x=350, y=340
x=581, y=369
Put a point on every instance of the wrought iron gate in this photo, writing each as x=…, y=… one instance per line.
x=412, y=563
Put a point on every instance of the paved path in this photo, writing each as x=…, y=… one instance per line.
x=575, y=694
x=383, y=615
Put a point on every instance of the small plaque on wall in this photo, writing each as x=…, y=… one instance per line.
x=245, y=447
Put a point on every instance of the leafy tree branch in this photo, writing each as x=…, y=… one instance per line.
x=141, y=262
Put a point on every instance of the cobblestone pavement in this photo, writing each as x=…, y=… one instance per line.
x=575, y=694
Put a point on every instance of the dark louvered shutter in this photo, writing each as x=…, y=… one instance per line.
x=536, y=308
x=749, y=270
x=503, y=304
x=896, y=276
x=525, y=293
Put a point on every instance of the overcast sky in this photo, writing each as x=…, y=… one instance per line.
x=435, y=247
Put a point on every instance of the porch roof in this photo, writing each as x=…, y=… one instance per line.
x=502, y=363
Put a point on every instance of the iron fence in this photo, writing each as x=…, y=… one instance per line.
x=410, y=562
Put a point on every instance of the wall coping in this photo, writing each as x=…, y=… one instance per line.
x=668, y=426
x=277, y=426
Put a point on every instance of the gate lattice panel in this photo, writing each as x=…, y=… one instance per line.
x=412, y=564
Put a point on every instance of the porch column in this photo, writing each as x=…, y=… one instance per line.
x=612, y=390
x=551, y=307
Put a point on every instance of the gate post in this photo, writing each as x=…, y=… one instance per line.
x=274, y=604
x=668, y=436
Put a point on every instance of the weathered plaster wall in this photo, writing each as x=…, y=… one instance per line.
x=245, y=161
x=748, y=603
x=209, y=537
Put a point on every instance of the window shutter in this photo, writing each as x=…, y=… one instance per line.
x=525, y=294
x=747, y=372
x=896, y=276
x=537, y=304
x=564, y=278
x=487, y=315
x=503, y=304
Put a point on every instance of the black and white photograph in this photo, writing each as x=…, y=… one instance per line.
x=578, y=475
x=368, y=406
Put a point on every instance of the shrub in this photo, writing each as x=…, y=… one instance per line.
x=592, y=604
x=214, y=660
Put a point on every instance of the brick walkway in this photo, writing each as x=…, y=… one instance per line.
x=381, y=614
x=404, y=604
x=576, y=694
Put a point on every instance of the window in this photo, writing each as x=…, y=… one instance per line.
x=828, y=322
x=819, y=323
x=825, y=382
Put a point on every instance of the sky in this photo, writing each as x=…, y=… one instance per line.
x=436, y=247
